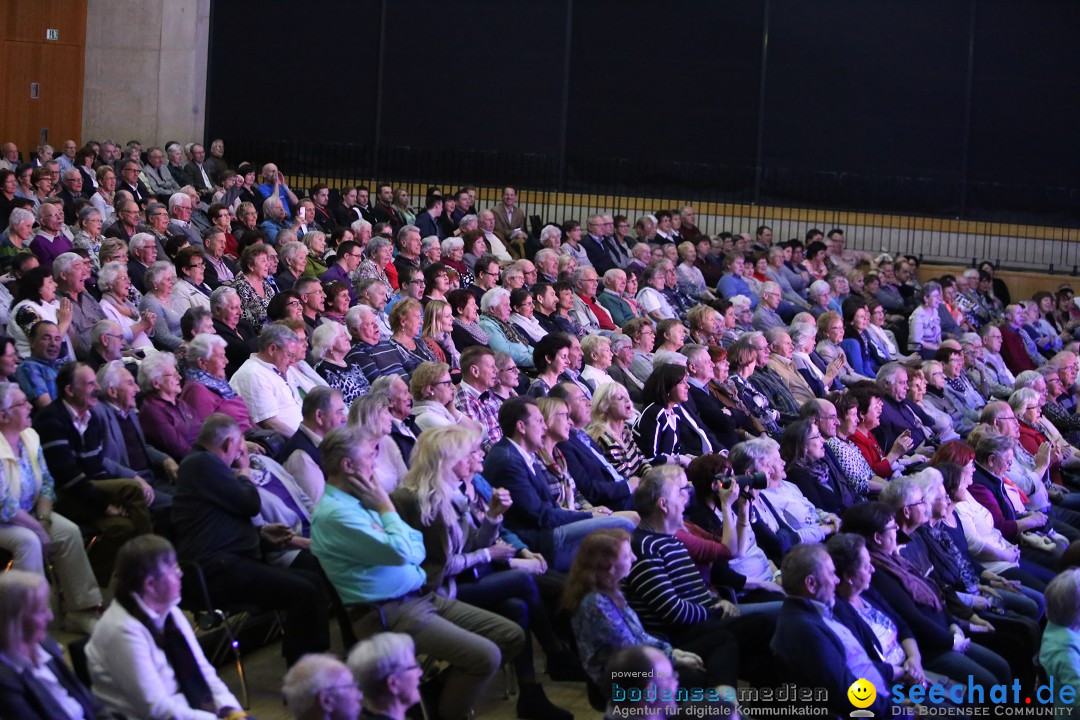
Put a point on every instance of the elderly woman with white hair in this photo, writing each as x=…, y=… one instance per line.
x=35, y=682
x=330, y=344
x=651, y=295
x=820, y=296
x=495, y=321
x=1060, y=653
x=115, y=284
x=169, y=423
x=597, y=358
x=315, y=263
x=19, y=232
x=371, y=413
x=160, y=279
x=453, y=254
x=88, y=235
x=29, y=529
x=924, y=323
x=206, y=391
x=379, y=253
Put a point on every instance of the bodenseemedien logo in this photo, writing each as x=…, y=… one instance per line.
x=862, y=694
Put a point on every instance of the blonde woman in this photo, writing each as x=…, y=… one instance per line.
x=557, y=419
x=462, y=551
x=610, y=426
x=436, y=334
x=433, y=398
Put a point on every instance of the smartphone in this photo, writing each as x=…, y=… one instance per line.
x=301, y=213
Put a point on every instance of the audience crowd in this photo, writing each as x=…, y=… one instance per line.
x=622, y=445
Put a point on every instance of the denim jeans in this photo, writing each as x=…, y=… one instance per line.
x=568, y=538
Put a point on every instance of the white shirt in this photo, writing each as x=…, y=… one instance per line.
x=595, y=376
x=131, y=674
x=307, y=473
x=267, y=394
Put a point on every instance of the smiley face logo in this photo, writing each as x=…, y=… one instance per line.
x=862, y=693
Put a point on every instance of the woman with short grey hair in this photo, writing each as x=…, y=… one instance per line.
x=170, y=425
x=330, y=345
x=374, y=661
x=379, y=253
x=160, y=278
x=503, y=336
x=88, y=235
x=453, y=254
x=115, y=286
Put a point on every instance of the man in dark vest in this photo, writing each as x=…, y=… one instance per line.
x=404, y=430
x=324, y=410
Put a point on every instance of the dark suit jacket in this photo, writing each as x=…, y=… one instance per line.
x=115, y=452
x=211, y=276
x=534, y=514
x=24, y=697
x=895, y=419
x=139, y=192
x=346, y=216
x=801, y=633
x=428, y=225
x=239, y=344
x=194, y=177
x=404, y=442
x=117, y=230
x=69, y=205
x=711, y=412
x=137, y=274
x=591, y=477
x=598, y=255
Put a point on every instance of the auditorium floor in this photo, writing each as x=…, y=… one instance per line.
x=264, y=668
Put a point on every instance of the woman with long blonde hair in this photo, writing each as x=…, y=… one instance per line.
x=467, y=560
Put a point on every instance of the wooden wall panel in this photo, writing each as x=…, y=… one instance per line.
x=27, y=20
x=56, y=65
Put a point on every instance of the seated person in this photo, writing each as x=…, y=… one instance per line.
x=898, y=412
x=387, y=672
x=273, y=402
x=598, y=480
x=803, y=449
x=534, y=515
x=808, y=627
x=143, y=657
x=373, y=558
x=375, y=356
x=170, y=424
x=241, y=340
x=36, y=374
x=668, y=593
x=125, y=450
x=29, y=529
x=465, y=556
x=206, y=391
x=35, y=682
x=318, y=687
x=667, y=430
x=212, y=512
x=1060, y=653
x=72, y=438
x=324, y=410
x=602, y=620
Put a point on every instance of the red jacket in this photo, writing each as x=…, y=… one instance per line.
x=868, y=446
x=1013, y=352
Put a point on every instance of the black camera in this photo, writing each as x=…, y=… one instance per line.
x=753, y=481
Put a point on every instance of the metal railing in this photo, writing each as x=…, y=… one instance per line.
x=894, y=212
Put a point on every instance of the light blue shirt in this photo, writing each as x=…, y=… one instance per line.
x=367, y=556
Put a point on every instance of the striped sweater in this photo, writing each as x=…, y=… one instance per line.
x=664, y=587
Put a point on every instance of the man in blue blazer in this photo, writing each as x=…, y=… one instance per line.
x=511, y=463
x=815, y=646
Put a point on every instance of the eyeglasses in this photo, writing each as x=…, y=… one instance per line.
x=417, y=282
x=293, y=303
x=443, y=382
x=921, y=502
x=1010, y=418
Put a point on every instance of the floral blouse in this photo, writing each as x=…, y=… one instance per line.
x=349, y=380
x=252, y=305
x=857, y=472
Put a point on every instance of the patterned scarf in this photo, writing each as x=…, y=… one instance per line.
x=512, y=334
x=219, y=386
x=474, y=330
x=922, y=591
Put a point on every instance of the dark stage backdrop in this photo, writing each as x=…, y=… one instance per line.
x=962, y=108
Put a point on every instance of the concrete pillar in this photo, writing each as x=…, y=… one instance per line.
x=145, y=76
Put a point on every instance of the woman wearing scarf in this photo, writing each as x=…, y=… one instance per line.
x=143, y=657
x=503, y=337
x=467, y=331
x=743, y=360
x=523, y=317
x=803, y=449
x=917, y=601
x=206, y=391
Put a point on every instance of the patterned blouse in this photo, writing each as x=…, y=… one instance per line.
x=28, y=488
x=252, y=305
x=622, y=453
x=564, y=491
x=411, y=359
x=756, y=403
x=885, y=630
x=601, y=627
x=857, y=472
x=349, y=380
